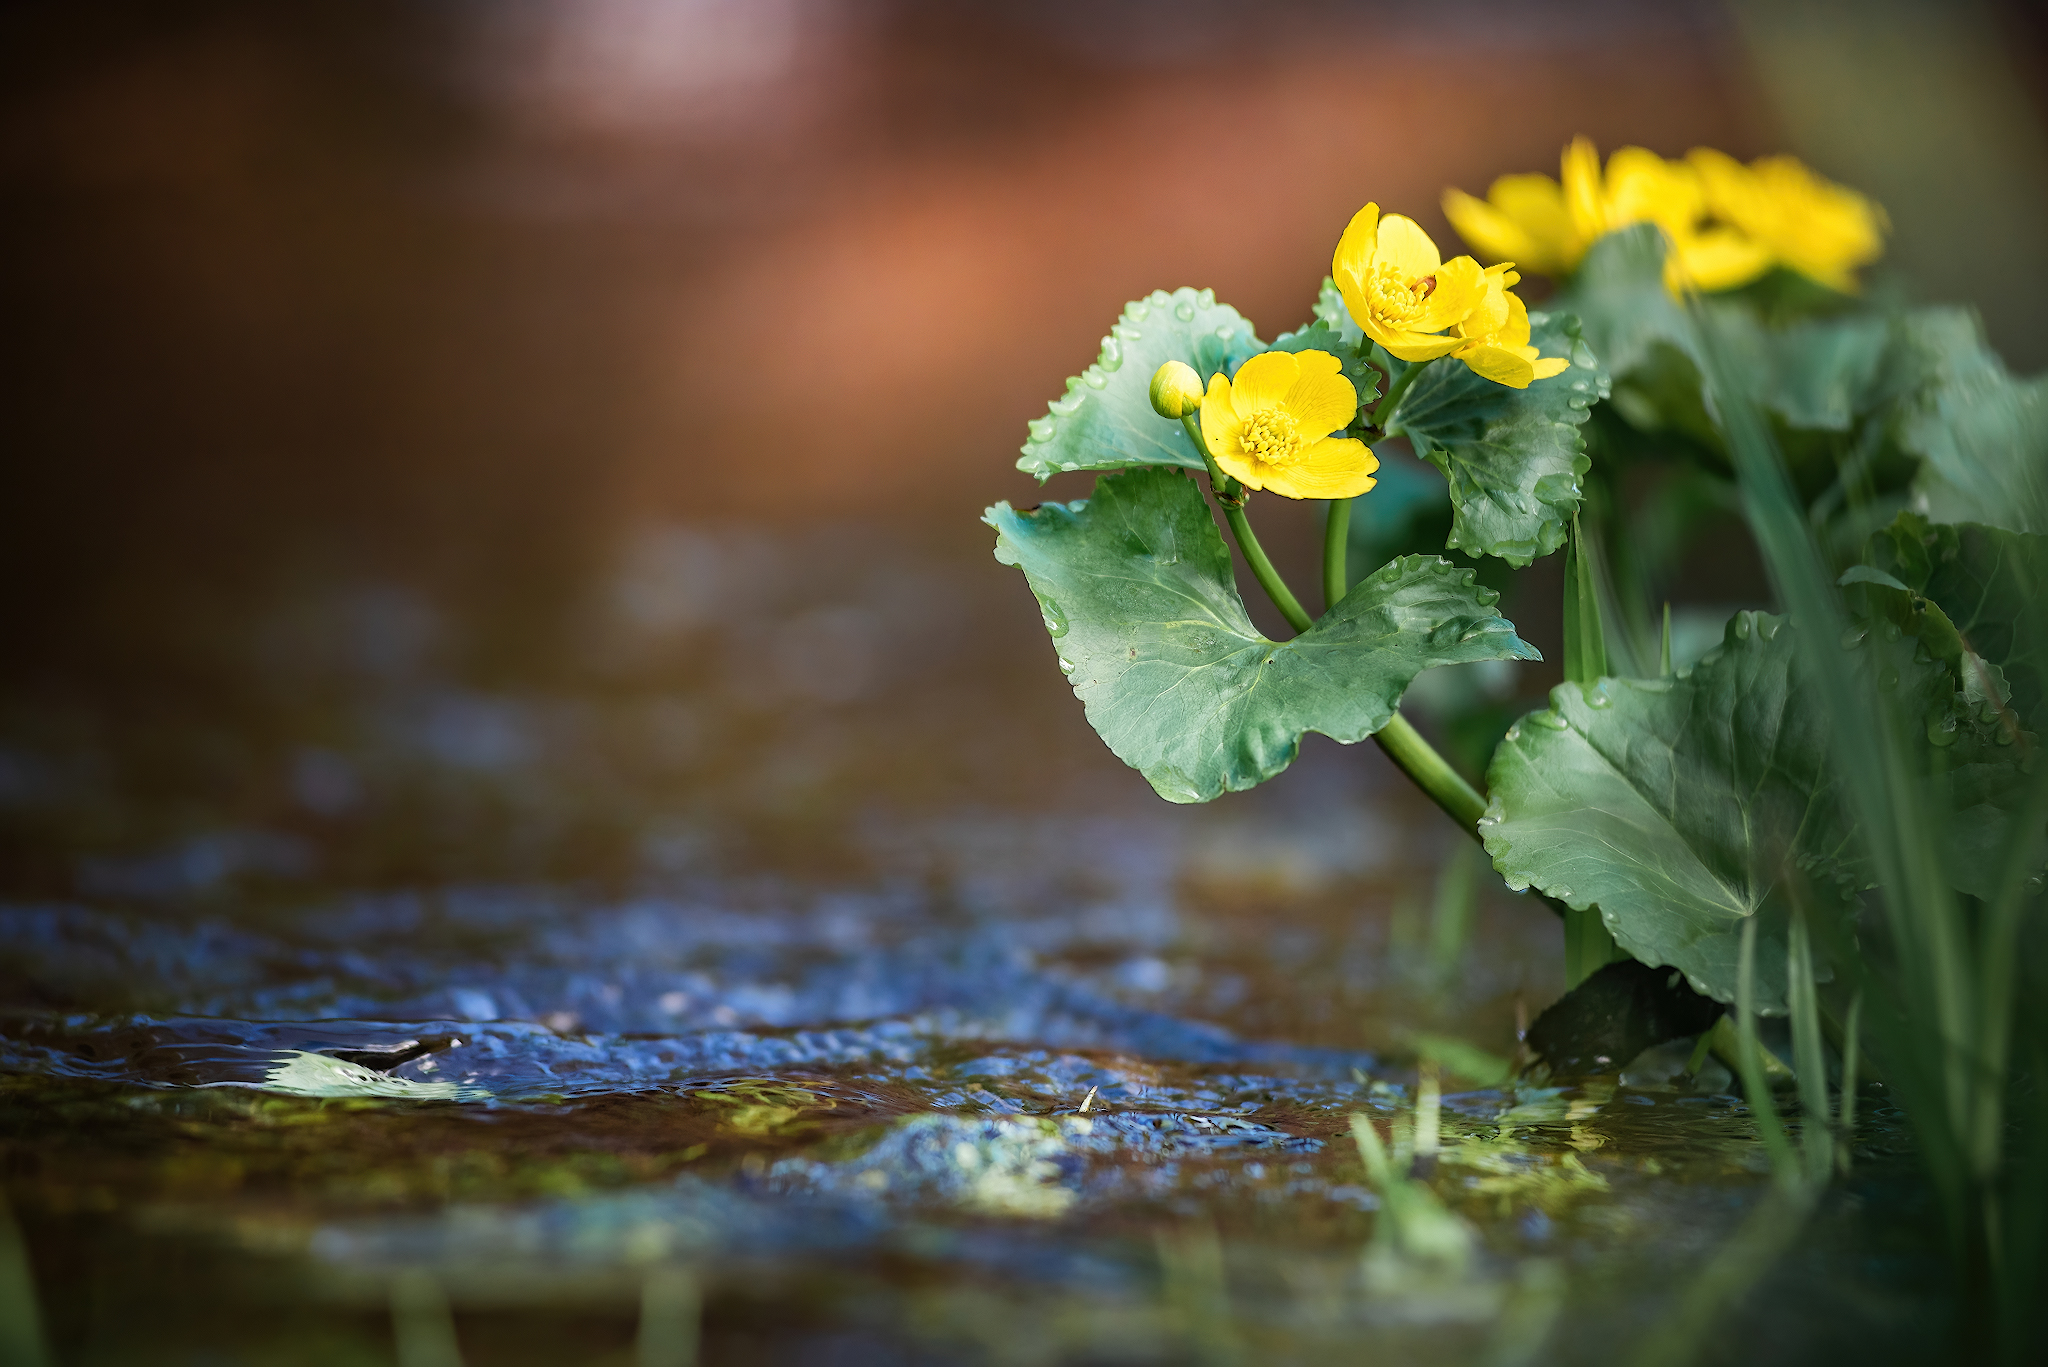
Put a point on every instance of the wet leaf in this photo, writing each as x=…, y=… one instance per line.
x=1136, y=588
x=1513, y=457
x=1679, y=806
x=1105, y=420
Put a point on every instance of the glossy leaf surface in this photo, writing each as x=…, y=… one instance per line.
x=1105, y=420
x=1677, y=805
x=1513, y=458
x=1135, y=584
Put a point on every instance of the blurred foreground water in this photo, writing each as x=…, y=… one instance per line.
x=762, y=971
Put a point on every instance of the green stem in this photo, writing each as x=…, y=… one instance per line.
x=1262, y=568
x=1336, y=546
x=1230, y=494
x=1395, y=389
x=1432, y=773
x=1402, y=743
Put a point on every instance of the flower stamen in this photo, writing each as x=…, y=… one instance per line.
x=1270, y=437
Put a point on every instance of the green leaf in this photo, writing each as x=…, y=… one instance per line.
x=1136, y=588
x=1330, y=309
x=1105, y=419
x=1619, y=297
x=1982, y=434
x=1513, y=457
x=1988, y=586
x=1972, y=595
x=1815, y=374
x=1677, y=805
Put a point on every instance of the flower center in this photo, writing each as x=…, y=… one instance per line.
x=1394, y=299
x=1270, y=437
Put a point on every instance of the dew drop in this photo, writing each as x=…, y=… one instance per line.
x=1550, y=721
x=1206, y=298
x=1139, y=311
x=1043, y=429
x=1596, y=696
x=1184, y=311
x=1853, y=636
x=1742, y=626
x=1112, y=354
x=1891, y=631
x=1941, y=729
x=1888, y=680
x=1767, y=627
x=1096, y=379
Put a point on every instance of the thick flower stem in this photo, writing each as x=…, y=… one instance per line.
x=1432, y=773
x=1262, y=568
x=1336, y=544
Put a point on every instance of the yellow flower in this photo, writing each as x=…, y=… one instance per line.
x=1496, y=336
x=1548, y=225
x=1399, y=289
x=1818, y=228
x=1270, y=427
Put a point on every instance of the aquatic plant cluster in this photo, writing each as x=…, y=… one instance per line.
x=1834, y=816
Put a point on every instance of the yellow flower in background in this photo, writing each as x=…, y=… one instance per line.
x=1818, y=228
x=1522, y=219
x=1399, y=289
x=1547, y=225
x=1270, y=427
x=1496, y=336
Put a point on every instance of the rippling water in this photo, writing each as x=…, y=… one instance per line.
x=875, y=1034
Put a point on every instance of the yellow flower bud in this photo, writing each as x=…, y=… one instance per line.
x=1176, y=390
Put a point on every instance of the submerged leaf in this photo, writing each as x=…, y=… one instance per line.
x=1137, y=593
x=1513, y=457
x=1105, y=420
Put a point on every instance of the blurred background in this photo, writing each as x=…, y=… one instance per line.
x=490, y=555
x=546, y=438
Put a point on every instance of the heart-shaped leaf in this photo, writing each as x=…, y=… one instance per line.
x=1679, y=806
x=1136, y=588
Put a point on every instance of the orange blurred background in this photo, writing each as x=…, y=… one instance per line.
x=452, y=293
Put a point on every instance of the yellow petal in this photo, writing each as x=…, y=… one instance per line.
x=1413, y=346
x=1404, y=246
x=1715, y=259
x=1490, y=232
x=1335, y=467
x=1549, y=366
x=1643, y=187
x=1322, y=400
x=1490, y=314
x=1239, y=467
x=1500, y=365
x=1219, y=421
x=1515, y=332
x=1537, y=204
x=1584, y=200
x=1353, y=258
x=1460, y=287
x=1263, y=382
